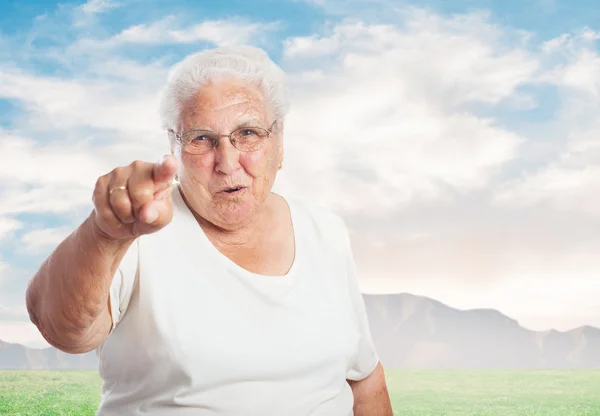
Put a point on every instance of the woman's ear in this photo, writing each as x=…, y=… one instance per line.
x=174, y=150
x=279, y=130
x=172, y=141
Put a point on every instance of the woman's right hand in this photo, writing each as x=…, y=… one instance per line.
x=135, y=199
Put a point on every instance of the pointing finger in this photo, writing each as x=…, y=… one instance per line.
x=164, y=172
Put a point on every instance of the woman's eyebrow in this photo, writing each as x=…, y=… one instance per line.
x=250, y=122
x=199, y=127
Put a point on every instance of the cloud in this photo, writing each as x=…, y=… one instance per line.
x=47, y=178
x=388, y=110
x=19, y=313
x=409, y=127
x=580, y=68
x=40, y=240
x=33, y=162
x=7, y=227
x=233, y=31
x=77, y=130
x=363, y=8
x=98, y=6
x=533, y=265
x=568, y=189
x=54, y=103
x=570, y=180
x=409, y=132
x=72, y=129
x=312, y=46
x=22, y=333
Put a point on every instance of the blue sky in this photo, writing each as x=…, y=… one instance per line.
x=459, y=139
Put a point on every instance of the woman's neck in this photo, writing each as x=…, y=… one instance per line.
x=246, y=235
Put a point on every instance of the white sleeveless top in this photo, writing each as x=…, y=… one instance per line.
x=196, y=334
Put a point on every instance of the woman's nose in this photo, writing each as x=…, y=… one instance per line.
x=227, y=157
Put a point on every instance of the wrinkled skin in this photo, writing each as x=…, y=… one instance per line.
x=222, y=107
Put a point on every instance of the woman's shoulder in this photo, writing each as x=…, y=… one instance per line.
x=318, y=216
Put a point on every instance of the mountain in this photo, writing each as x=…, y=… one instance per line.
x=417, y=332
x=19, y=357
x=413, y=332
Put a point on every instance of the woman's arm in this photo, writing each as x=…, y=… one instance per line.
x=366, y=375
x=371, y=397
x=67, y=299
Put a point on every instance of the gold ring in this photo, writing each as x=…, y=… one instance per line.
x=118, y=188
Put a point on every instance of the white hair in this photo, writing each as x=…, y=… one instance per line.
x=246, y=63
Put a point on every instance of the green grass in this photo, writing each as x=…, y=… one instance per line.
x=49, y=392
x=495, y=393
x=422, y=393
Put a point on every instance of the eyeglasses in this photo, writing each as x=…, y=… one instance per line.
x=245, y=139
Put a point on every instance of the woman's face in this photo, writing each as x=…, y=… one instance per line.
x=223, y=107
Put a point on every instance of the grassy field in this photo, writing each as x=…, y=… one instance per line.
x=422, y=393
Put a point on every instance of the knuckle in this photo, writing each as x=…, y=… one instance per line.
x=138, y=164
x=122, y=206
x=106, y=215
x=96, y=193
x=141, y=193
x=99, y=190
x=117, y=172
x=101, y=183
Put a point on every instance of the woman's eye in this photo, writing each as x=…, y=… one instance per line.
x=200, y=138
x=248, y=132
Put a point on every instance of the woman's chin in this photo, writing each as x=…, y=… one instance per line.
x=233, y=211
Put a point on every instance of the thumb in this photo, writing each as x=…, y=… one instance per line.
x=157, y=213
x=164, y=171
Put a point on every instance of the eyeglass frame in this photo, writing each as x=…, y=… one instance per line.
x=215, y=143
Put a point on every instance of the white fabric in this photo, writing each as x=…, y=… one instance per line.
x=195, y=334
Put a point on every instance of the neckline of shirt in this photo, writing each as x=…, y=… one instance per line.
x=180, y=205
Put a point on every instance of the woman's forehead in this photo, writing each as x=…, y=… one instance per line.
x=225, y=100
x=244, y=113
x=224, y=93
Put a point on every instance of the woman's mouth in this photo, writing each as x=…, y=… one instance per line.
x=234, y=190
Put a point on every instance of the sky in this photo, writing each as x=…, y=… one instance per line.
x=459, y=140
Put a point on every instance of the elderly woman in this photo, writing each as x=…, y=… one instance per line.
x=203, y=292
